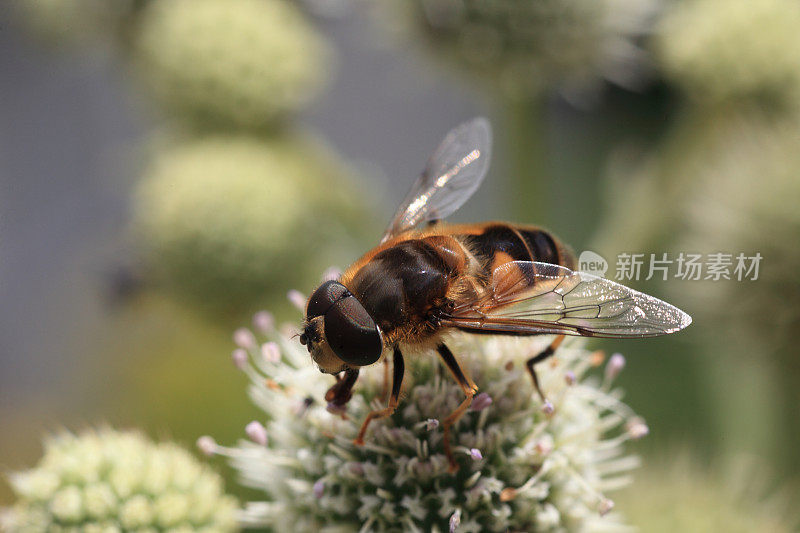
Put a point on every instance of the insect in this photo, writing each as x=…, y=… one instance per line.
x=426, y=279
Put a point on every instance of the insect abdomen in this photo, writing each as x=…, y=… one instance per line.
x=402, y=284
x=500, y=243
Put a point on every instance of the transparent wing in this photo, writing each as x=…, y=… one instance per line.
x=453, y=173
x=525, y=297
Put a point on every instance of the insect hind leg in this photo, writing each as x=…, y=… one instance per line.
x=469, y=388
x=541, y=356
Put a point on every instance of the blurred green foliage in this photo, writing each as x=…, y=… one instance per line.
x=165, y=370
x=676, y=493
x=745, y=200
x=75, y=22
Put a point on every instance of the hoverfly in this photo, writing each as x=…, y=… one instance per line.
x=426, y=279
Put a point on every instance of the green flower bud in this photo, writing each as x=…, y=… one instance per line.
x=230, y=63
x=536, y=45
x=51, y=498
x=227, y=220
x=734, y=50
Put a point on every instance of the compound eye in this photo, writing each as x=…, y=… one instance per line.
x=324, y=297
x=352, y=334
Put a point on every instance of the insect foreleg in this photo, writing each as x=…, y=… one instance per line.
x=341, y=391
x=469, y=388
x=544, y=354
x=397, y=381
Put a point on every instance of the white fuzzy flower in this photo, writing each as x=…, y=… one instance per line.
x=520, y=468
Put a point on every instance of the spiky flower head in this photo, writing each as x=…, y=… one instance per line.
x=521, y=469
x=111, y=481
x=230, y=63
x=223, y=217
x=734, y=50
x=531, y=46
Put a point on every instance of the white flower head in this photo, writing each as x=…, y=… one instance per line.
x=520, y=468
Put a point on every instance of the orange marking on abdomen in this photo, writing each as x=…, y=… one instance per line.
x=500, y=259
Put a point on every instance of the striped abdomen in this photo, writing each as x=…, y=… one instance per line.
x=494, y=244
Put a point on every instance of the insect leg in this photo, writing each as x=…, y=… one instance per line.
x=341, y=391
x=397, y=381
x=469, y=388
x=385, y=390
x=544, y=354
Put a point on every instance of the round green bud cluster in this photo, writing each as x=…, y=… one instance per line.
x=231, y=63
x=535, y=45
x=225, y=220
x=110, y=481
x=728, y=50
x=524, y=465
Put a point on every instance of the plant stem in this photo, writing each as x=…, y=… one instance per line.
x=528, y=170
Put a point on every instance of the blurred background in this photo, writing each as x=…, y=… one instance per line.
x=168, y=168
